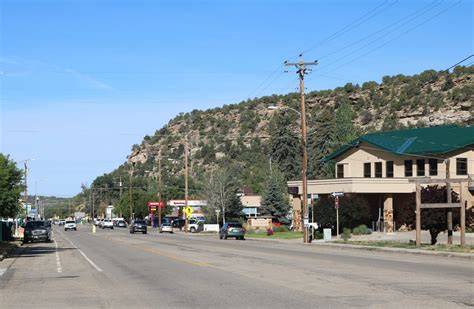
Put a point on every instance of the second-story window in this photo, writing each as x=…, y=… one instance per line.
x=340, y=171
x=378, y=169
x=433, y=163
x=389, y=169
x=408, y=168
x=461, y=166
x=367, y=170
x=420, y=167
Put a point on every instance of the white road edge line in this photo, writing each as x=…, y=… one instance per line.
x=58, y=261
x=83, y=254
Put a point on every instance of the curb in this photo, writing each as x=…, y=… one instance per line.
x=469, y=256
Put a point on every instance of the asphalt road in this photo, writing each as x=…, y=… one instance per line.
x=114, y=269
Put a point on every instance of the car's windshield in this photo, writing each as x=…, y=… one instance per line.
x=70, y=222
x=235, y=225
x=34, y=223
x=140, y=222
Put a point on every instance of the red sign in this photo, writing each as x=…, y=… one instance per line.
x=155, y=204
x=336, y=202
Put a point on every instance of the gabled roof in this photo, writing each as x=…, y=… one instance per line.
x=421, y=141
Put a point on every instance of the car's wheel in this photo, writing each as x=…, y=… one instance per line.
x=75, y=229
x=144, y=232
x=111, y=228
x=193, y=230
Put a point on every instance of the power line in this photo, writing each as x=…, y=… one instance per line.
x=364, y=18
x=402, y=34
x=470, y=56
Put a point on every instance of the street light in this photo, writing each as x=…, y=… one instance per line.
x=304, y=168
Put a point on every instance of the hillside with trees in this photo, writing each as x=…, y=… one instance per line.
x=248, y=139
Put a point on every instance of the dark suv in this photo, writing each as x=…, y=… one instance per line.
x=37, y=230
x=138, y=226
x=178, y=223
x=232, y=229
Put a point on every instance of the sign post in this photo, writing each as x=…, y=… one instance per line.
x=336, y=205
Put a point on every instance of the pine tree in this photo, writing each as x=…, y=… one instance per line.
x=274, y=198
x=285, y=146
x=321, y=143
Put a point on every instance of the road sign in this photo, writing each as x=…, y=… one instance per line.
x=188, y=210
x=161, y=204
x=306, y=222
x=336, y=202
x=189, y=216
x=153, y=204
x=334, y=194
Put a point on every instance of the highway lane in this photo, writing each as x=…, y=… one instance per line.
x=114, y=269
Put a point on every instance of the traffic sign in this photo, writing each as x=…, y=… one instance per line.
x=188, y=210
x=189, y=216
x=336, y=202
x=334, y=194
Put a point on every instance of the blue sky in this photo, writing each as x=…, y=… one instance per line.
x=82, y=81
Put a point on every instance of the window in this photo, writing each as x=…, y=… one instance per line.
x=461, y=166
x=340, y=171
x=408, y=168
x=389, y=171
x=367, y=171
x=433, y=163
x=378, y=169
x=420, y=167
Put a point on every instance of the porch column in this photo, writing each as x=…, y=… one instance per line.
x=296, y=204
x=388, y=213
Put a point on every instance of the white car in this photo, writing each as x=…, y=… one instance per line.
x=166, y=227
x=107, y=224
x=70, y=225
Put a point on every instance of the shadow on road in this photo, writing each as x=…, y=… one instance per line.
x=36, y=249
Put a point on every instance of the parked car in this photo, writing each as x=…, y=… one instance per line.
x=232, y=229
x=70, y=225
x=178, y=223
x=107, y=224
x=62, y=222
x=138, y=226
x=194, y=226
x=166, y=227
x=121, y=223
x=278, y=222
x=37, y=230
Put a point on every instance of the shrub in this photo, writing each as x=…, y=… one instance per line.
x=269, y=232
x=346, y=234
x=360, y=230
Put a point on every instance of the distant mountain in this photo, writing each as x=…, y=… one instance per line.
x=251, y=137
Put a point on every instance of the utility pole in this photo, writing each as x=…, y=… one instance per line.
x=186, y=146
x=130, y=191
x=159, y=188
x=26, y=188
x=302, y=70
x=450, y=212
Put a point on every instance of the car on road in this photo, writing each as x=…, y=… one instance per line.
x=138, y=226
x=62, y=222
x=194, y=226
x=166, y=227
x=70, y=225
x=37, y=230
x=107, y=224
x=178, y=223
x=232, y=229
x=121, y=223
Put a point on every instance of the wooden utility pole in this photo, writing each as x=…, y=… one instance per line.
x=450, y=212
x=418, y=214
x=130, y=191
x=186, y=149
x=302, y=70
x=159, y=188
x=26, y=189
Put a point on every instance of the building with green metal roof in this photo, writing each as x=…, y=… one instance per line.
x=383, y=166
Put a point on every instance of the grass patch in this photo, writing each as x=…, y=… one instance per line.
x=276, y=235
x=396, y=244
